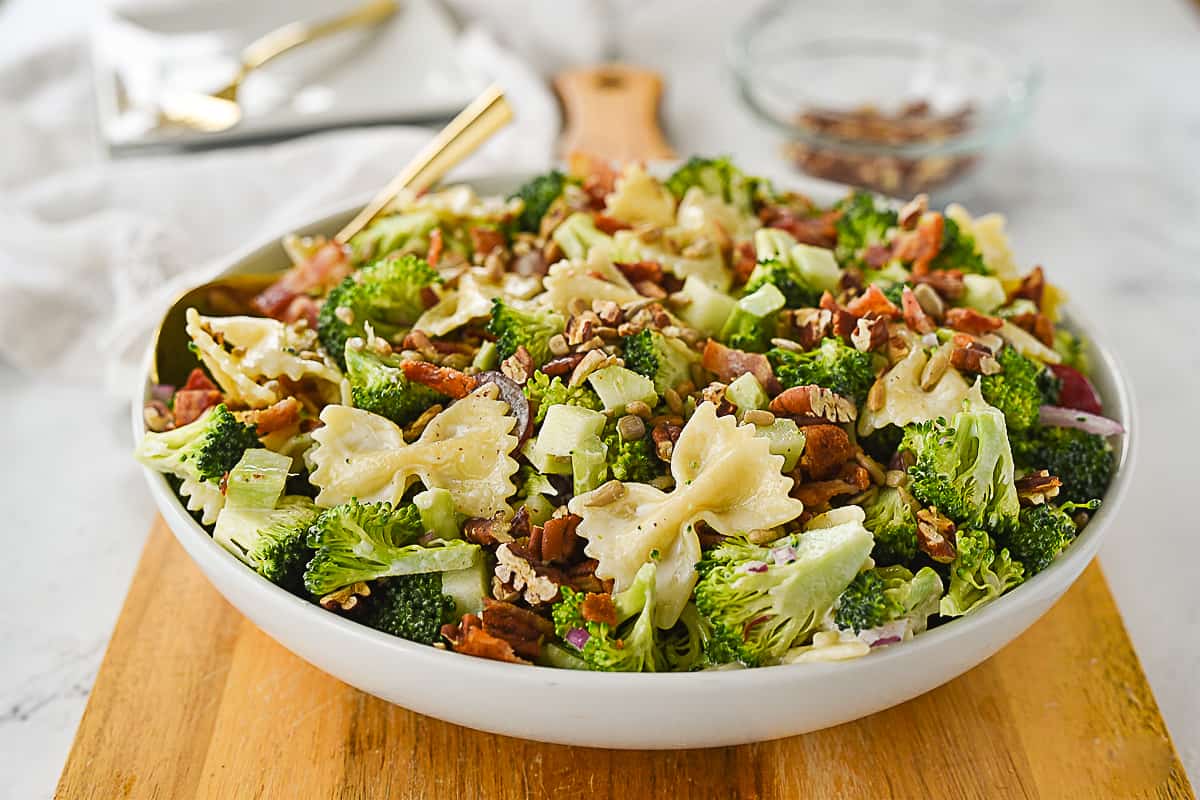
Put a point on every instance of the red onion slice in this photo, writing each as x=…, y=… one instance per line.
x=1060, y=417
x=757, y=567
x=577, y=637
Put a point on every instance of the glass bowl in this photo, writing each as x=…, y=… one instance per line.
x=895, y=99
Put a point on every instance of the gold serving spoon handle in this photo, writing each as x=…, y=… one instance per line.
x=231, y=294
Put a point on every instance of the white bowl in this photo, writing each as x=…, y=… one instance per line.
x=655, y=711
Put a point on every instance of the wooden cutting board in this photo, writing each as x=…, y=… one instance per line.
x=193, y=701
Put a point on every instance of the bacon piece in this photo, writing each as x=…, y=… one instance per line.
x=915, y=316
x=1038, y=324
x=745, y=259
x=485, y=240
x=302, y=307
x=873, y=303
x=968, y=320
x=813, y=401
x=609, y=225
x=598, y=607
x=520, y=627
x=198, y=379
x=190, y=404
x=450, y=382
x=727, y=364
x=946, y=282
x=877, y=255
x=826, y=449
x=664, y=435
x=921, y=246
x=320, y=272
x=820, y=231
x=562, y=365
x=1033, y=287
x=637, y=271
x=469, y=637
x=488, y=531
x=437, y=243
x=275, y=417
x=599, y=177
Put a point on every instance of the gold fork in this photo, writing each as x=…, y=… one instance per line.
x=219, y=111
x=231, y=294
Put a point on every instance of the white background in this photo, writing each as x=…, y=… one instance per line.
x=1102, y=190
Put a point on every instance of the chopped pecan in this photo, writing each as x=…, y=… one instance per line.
x=873, y=303
x=650, y=289
x=826, y=449
x=559, y=542
x=813, y=324
x=563, y=365
x=485, y=240
x=582, y=577
x=1033, y=287
x=487, y=531
x=598, y=607
x=450, y=382
x=936, y=535
x=820, y=231
x=745, y=259
x=968, y=320
x=870, y=334
x=1038, y=324
x=469, y=637
x=913, y=210
x=920, y=246
x=517, y=571
x=816, y=494
x=915, y=316
x=190, y=404
x=976, y=359
x=520, y=627
x=581, y=327
x=347, y=598
x=664, y=436
x=1038, y=487
x=608, y=312
x=948, y=283
x=276, y=417
x=727, y=364
x=844, y=322
x=635, y=271
x=813, y=401
x=530, y=263
x=519, y=366
x=851, y=282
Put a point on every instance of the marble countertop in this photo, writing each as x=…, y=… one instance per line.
x=1102, y=190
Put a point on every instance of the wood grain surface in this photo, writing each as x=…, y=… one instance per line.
x=193, y=701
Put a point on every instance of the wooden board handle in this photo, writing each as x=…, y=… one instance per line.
x=612, y=113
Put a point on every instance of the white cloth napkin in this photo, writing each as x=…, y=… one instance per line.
x=93, y=250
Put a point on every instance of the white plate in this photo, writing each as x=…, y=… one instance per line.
x=403, y=69
x=654, y=711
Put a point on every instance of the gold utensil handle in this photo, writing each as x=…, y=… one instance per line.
x=294, y=34
x=474, y=124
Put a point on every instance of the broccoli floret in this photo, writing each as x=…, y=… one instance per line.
x=388, y=294
x=754, y=320
x=834, y=365
x=865, y=603
x=365, y=541
x=895, y=292
x=720, y=178
x=578, y=234
x=760, y=601
x=536, y=196
x=1073, y=350
x=378, y=385
x=893, y=523
x=202, y=450
x=528, y=326
x=958, y=251
x=796, y=290
x=407, y=232
x=632, y=460
x=682, y=646
x=1049, y=386
x=965, y=470
x=863, y=222
x=1017, y=391
x=271, y=541
x=979, y=574
x=410, y=606
x=663, y=359
x=544, y=391
x=1082, y=461
x=630, y=646
x=1042, y=532
x=881, y=444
